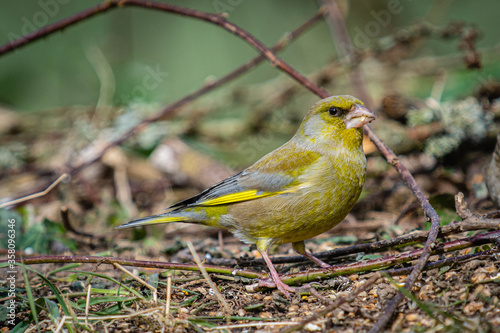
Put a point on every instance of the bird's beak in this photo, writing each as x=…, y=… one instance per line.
x=358, y=116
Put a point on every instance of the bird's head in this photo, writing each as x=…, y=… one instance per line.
x=336, y=118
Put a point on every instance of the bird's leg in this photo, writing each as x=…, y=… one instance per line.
x=300, y=248
x=284, y=288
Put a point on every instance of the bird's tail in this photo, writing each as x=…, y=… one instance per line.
x=156, y=219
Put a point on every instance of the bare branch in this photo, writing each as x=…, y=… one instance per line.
x=171, y=109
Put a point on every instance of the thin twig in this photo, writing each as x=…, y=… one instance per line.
x=138, y=279
x=215, y=289
x=57, y=26
x=335, y=21
x=69, y=227
x=293, y=279
x=171, y=109
x=441, y=263
x=87, y=304
x=378, y=263
x=61, y=324
x=115, y=317
x=136, y=263
x=358, y=83
x=61, y=178
x=169, y=296
x=480, y=223
x=222, y=22
x=462, y=210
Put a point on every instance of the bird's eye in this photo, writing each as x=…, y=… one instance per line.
x=334, y=111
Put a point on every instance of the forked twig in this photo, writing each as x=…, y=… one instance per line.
x=492, y=237
x=171, y=109
x=336, y=19
x=469, y=224
x=277, y=62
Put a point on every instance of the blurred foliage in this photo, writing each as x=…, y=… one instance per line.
x=44, y=237
x=125, y=64
x=444, y=204
x=159, y=57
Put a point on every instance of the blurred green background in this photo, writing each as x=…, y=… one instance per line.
x=131, y=43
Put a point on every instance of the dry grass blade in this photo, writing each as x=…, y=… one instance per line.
x=171, y=109
x=141, y=281
x=87, y=304
x=169, y=295
x=220, y=298
x=336, y=19
x=61, y=324
x=150, y=311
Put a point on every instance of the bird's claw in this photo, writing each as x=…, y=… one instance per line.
x=283, y=287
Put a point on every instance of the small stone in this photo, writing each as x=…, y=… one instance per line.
x=448, y=275
x=473, y=307
x=426, y=292
x=241, y=312
x=412, y=317
x=266, y=315
x=312, y=327
x=478, y=277
x=339, y=314
x=428, y=322
x=489, y=269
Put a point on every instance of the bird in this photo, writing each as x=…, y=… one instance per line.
x=296, y=192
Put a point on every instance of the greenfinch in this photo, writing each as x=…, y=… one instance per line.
x=298, y=191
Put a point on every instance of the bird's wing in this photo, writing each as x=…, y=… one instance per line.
x=274, y=174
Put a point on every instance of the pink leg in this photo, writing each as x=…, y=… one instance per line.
x=300, y=248
x=284, y=288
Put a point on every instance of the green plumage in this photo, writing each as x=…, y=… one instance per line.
x=298, y=191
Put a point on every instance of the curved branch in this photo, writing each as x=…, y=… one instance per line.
x=57, y=26
x=171, y=109
x=294, y=278
x=136, y=263
x=470, y=224
x=277, y=62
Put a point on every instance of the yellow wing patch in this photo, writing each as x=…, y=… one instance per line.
x=245, y=196
x=237, y=197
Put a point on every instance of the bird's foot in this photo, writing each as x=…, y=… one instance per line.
x=323, y=264
x=300, y=248
x=283, y=287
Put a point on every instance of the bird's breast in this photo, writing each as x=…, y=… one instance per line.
x=320, y=199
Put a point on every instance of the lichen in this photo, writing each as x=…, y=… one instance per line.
x=460, y=121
